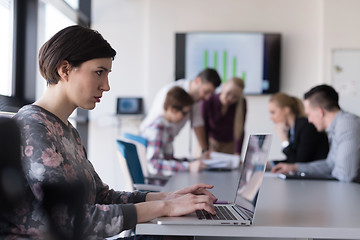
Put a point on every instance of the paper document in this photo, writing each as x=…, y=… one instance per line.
x=222, y=160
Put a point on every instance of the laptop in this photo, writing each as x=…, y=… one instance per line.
x=306, y=176
x=241, y=211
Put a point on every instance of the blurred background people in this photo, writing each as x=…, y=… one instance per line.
x=160, y=136
x=200, y=88
x=343, y=160
x=224, y=116
x=301, y=142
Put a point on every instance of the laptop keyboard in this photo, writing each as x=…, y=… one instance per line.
x=222, y=213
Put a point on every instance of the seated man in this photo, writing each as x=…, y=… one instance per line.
x=200, y=88
x=160, y=136
x=343, y=159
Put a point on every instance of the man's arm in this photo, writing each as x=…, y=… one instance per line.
x=346, y=158
x=201, y=137
x=197, y=122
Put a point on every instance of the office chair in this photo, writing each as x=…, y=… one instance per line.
x=13, y=186
x=130, y=158
x=141, y=145
x=12, y=180
x=135, y=138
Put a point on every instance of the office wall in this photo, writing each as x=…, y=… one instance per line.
x=142, y=32
x=341, y=29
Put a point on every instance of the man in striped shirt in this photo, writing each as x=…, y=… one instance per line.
x=343, y=128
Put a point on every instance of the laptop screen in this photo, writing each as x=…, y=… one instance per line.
x=252, y=171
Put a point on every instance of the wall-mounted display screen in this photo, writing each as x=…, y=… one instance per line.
x=129, y=105
x=254, y=57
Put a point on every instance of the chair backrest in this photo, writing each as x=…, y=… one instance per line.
x=129, y=185
x=129, y=151
x=12, y=180
x=141, y=144
x=136, y=138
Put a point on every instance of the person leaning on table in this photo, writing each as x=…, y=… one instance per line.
x=199, y=88
x=343, y=128
x=224, y=116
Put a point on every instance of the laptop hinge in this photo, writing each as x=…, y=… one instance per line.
x=241, y=213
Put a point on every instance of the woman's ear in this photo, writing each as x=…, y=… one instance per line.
x=287, y=110
x=64, y=70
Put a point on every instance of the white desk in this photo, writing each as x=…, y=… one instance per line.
x=286, y=209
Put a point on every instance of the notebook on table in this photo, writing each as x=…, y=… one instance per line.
x=222, y=161
x=242, y=210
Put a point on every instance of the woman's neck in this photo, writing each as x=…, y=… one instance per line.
x=55, y=102
x=291, y=120
x=224, y=109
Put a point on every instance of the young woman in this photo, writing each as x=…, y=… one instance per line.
x=224, y=116
x=76, y=62
x=301, y=142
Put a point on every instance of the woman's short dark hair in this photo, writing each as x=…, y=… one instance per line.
x=75, y=44
x=177, y=98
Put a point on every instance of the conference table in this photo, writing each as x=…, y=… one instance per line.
x=299, y=209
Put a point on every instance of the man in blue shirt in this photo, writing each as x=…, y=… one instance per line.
x=343, y=128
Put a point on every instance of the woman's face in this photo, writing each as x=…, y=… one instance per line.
x=277, y=114
x=230, y=94
x=88, y=82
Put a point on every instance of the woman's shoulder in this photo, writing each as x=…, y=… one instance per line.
x=29, y=113
x=35, y=118
x=37, y=114
x=302, y=120
x=302, y=123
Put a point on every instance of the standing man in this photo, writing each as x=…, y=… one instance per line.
x=200, y=88
x=343, y=160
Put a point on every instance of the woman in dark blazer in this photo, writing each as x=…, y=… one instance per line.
x=301, y=142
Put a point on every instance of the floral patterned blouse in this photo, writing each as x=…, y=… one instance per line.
x=52, y=154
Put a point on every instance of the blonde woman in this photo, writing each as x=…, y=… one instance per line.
x=224, y=117
x=301, y=142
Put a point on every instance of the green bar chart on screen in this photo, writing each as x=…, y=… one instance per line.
x=231, y=68
x=206, y=63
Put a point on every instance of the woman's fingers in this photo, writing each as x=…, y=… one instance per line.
x=190, y=203
x=194, y=188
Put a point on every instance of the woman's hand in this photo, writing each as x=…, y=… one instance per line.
x=177, y=203
x=190, y=199
x=197, y=189
x=189, y=203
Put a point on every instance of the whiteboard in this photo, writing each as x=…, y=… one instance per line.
x=346, y=78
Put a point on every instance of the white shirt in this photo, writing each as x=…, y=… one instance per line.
x=157, y=108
